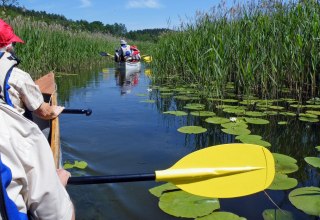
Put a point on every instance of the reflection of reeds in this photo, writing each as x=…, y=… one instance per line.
x=53, y=47
x=261, y=47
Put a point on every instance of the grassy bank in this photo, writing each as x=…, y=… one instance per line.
x=52, y=47
x=265, y=49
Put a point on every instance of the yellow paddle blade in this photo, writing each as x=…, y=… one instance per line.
x=147, y=59
x=223, y=171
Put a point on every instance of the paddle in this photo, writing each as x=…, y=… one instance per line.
x=222, y=171
x=104, y=54
x=78, y=111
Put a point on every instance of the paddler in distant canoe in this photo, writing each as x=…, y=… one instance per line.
x=16, y=86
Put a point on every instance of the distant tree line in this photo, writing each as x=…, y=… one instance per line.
x=11, y=8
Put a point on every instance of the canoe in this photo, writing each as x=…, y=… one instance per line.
x=48, y=89
x=129, y=67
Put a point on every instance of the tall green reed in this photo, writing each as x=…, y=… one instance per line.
x=262, y=47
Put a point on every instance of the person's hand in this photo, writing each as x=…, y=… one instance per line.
x=63, y=176
x=56, y=110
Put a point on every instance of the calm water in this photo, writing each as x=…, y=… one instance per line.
x=126, y=136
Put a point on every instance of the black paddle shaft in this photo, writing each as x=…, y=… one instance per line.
x=78, y=111
x=111, y=179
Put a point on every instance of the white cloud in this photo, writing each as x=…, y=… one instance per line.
x=143, y=4
x=85, y=3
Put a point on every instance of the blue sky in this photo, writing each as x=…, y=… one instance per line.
x=134, y=14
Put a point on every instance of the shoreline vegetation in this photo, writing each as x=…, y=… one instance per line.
x=268, y=49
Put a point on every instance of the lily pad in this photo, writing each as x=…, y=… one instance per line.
x=282, y=123
x=257, y=121
x=148, y=101
x=194, y=106
x=77, y=164
x=159, y=190
x=283, y=182
x=307, y=115
x=237, y=111
x=236, y=131
x=277, y=214
x=313, y=161
x=313, y=112
x=182, y=204
x=288, y=114
x=306, y=199
x=182, y=97
x=308, y=119
x=192, y=129
x=217, y=120
x=237, y=124
x=176, y=113
x=221, y=216
x=318, y=148
x=248, y=137
x=141, y=94
x=253, y=139
x=285, y=164
x=202, y=113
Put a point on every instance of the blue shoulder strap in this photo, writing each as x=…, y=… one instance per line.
x=9, y=210
x=6, y=85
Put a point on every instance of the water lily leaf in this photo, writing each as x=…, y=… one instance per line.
x=229, y=100
x=313, y=161
x=248, y=137
x=313, y=112
x=318, y=148
x=182, y=204
x=288, y=114
x=237, y=124
x=275, y=107
x=203, y=113
x=237, y=111
x=159, y=190
x=77, y=164
x=194, y=106
x=255, y=114
x=176, y=113
x=277, y=214
x=165, y=89
x=192, y=129
x=166, y=94
x=141, y=94
x=283, y=182
x=248, y=102
x=148, y=101
x=253, y=139
x=285, y=164
x=271, y=112
x=257, y=121
x=236, y=131
x=217, y=120
x=221, y=216
x=306, y=115
x=182, y=97
x=306, y=199
x=308, y=119
x=282, y=123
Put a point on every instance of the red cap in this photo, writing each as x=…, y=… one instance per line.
x=7, y=35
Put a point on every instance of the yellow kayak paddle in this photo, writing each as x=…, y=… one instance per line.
x=222, y=171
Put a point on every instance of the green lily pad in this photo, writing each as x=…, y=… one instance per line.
x=159, y=190
x=176, y=113
x=313, y=161
x=282, y=123
x=277, y=214
x=77, y=164
x=271, y=112
x=237, y=124
x=307, y=115
x=236, y=131
x=288, y=114
x=182, y=204
x=237, y=111
x=217, y=120
x=203, y=113
x=275, y=107
x=229, y=100
x=141, y=94
x=192, y=129
x=182, y=97
x=248, y=137
x=148, y=101
x=308, y=119
x=283, y=182
x=313, y=112
x=194, y=106
x=257, y=121
x=221, y=216
x=285, y=164
x=318, y=148
x=253, y=139
x=166, y=94
x=306, y=199
x=255, y=114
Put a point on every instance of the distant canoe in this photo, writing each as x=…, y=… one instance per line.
x=48, y=87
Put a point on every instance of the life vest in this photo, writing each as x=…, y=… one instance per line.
x=125, y=52
x=135, y=53
x=7, y=63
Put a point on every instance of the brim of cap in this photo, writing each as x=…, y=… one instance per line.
x=16, y=39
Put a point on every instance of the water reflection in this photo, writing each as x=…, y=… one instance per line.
x=127, y=79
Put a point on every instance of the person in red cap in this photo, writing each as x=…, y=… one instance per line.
x=19, y=90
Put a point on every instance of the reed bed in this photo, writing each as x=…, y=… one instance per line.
x=52, y=47
x=262, y=47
